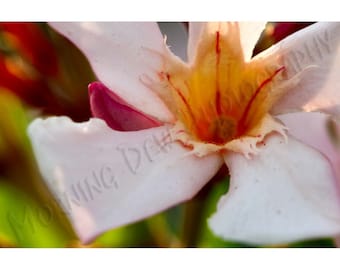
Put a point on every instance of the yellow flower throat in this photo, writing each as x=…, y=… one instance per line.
x=220, y=97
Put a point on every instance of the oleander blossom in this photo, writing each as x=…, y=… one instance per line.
x=163, y=127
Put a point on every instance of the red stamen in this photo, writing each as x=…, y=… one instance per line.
x=217, y=87
x=217, y=47
x=218, y=102
x=258, y=90
x=179, y=93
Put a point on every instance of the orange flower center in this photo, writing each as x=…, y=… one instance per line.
x=220, y=97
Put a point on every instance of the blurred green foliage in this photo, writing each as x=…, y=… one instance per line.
x=26, y=223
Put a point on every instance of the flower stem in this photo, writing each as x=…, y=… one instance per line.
x=192, y=222
x=161, y=232
x=194, y=212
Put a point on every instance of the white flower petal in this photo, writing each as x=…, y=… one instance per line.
x=105, y=178
x=312, y=129
x=284, y=194
x=314, y=54
x=250, y=32
x=121, y=54
x=195, y=30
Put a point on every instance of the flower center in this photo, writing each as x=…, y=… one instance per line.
x=220, y=97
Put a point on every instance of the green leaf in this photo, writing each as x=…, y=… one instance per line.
x=25, y=223
x=13, y=121
x=315, y=243
x=134, y=235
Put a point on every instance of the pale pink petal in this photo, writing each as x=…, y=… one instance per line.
x=250, y=32
x=313, y=129
x=195, y=30
x=312, y=56
x=337, y=241
x=106, y=179
x=117, y=114
x=286, y=193
x=121, y=54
